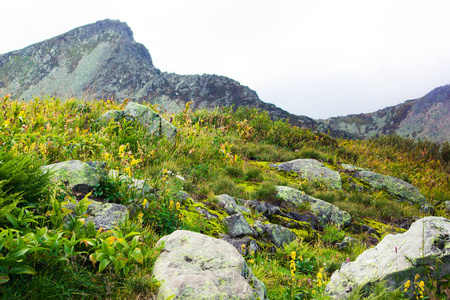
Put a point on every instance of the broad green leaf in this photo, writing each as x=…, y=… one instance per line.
x=18, y=252
x=12, y=219
x=22, y=270
x=103, y=264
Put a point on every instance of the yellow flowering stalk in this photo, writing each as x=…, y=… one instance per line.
x=407, y=285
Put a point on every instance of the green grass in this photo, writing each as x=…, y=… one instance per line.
x=215, y=152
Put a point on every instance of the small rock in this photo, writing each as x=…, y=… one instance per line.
x=346, y=243
x=237, y=225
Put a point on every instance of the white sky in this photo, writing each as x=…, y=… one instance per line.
x=319, y=58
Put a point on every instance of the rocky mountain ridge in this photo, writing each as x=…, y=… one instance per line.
x=423, y=118
x=102, y=60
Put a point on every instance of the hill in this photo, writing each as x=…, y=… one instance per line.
x=425, y=118
x=295, y=206
x=103, y=61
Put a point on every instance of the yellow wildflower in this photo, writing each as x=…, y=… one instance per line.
x=144, y=202
x=134, y=162
x=128, y=171
x=171, y=204
x=178, y=205
x=140, y=216
x=407, y=285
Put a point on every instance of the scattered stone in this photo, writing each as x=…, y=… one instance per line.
x=368, y=229
x=447, y=206
x=327, y=213
x=230, y=204
x=250, y=245
x=77, y=175
x=351, y=168
x=402, y=190
x=153, y=122
x=104, y=215
x=398, y=258
x=346, y=243
x=139, y=185
x=276, y=234
x=196, y=266
x=237, y=225
x=312, y=170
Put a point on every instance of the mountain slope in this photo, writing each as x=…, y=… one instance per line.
x=102, y=60
x=424, y=118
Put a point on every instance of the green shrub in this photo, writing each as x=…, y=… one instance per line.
x=21, y=175
x=224, y=185
x=266, y=192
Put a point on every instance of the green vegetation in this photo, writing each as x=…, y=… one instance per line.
x=214, y=152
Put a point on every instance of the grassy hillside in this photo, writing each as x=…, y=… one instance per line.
x=216, y=152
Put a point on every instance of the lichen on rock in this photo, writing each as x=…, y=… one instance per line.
x=312, y=170
x=326, y=212
x=196, y=266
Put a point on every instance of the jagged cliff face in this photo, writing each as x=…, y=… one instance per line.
x=424, y=118
x=102, y=60
x=98, y=60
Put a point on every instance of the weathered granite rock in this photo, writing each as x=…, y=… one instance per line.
x=237, y=225
x=351, y=168
x=398, y=258
x=250, y=245
x=196, y=266
x=273, y=233
x=326, y=212
x=153, y=122
x=346, y=243
x=104, y=215
x=264, y=208
x=138, y=185
x=230, y=204
x=396, y=187
x=313, y=170
x=77, y=175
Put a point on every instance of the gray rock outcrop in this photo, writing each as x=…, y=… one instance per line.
x=402, y=190
x=237, y=225
x=230, y=204
x=153, y=122
x=424, y=249
x=327, y=213
x=77, y=175
x=312, y=170
x=104, y=215
x=196, y=266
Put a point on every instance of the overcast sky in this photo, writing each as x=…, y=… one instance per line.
x=315, y=58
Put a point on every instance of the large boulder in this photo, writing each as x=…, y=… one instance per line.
x=103, y=215
x=153, y=122
x=196, y=266
x=312, y=170
x=395, y=186
x=424, y=249
x=327, y=213
x=77, y=175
